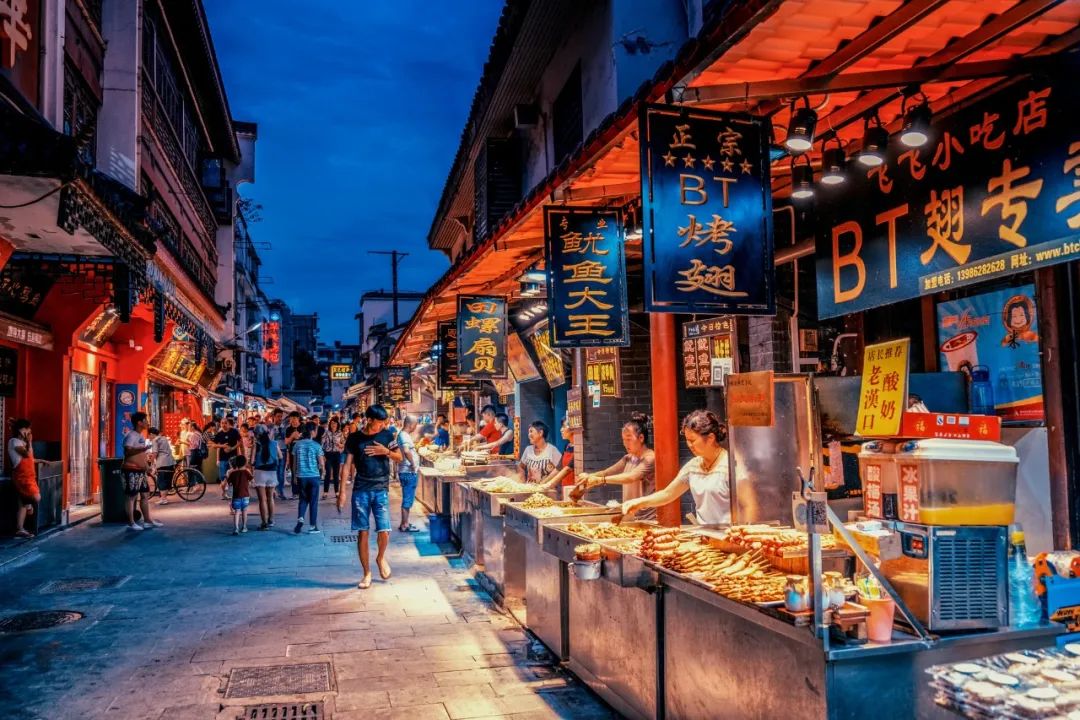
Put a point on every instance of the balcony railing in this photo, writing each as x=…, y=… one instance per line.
x=167, y=229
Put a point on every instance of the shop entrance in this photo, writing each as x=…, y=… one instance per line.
x=80, y=428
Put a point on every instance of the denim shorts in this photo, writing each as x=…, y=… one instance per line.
x=376, y=502
x=408, y=489
x=241, y=503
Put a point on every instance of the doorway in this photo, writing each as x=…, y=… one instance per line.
x=80, y=445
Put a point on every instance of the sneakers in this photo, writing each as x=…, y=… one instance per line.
x=270, y=524
x=299, y=526
x=162, y=501
x=152, y=524
x=235, y=531
x=314, y=529
x=135, y=526
x=264, y=526
x=243, y=530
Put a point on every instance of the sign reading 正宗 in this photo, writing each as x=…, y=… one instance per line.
x=883, y=393
x=549, y=360
x=397, y=384
x=481, y=331
x=995, y=192
x=585, y=255
x=707, y=212
x=994, y=338
x=603, y=370
x=573, y=409
x=707, y=350
x=751, y=399
x=448, y=376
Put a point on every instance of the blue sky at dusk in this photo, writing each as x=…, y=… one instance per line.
x=360, y=107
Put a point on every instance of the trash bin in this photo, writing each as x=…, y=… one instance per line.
x=112, y=491
x=439, y=527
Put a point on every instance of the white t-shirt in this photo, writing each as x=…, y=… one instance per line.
x=711, y=490
x=163, y=452
x=135, y=440
x=539, y=465
x=14, y=457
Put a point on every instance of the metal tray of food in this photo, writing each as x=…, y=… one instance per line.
x=531, y=522
x=622, y=567
x=492, y=468
x=492, y=503
x=560, y=542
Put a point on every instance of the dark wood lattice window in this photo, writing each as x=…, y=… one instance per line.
x=80, y=113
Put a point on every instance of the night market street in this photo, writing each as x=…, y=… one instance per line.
x=195, y=603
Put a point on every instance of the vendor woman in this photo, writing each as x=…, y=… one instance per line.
x=635, y=471
x=706, y=475
x=540, y=460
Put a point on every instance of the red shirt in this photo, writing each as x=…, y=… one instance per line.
x=240, y=479
x=490, y=433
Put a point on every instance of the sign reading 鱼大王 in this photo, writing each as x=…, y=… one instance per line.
x=448, y=376
x=883, y=393
x=707, y=218
x=481, y=332
x=995, y=192
x=586, y=266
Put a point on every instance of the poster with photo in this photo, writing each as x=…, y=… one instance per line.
x=993, y=337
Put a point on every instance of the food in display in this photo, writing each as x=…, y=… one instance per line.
x=1026, y=684
x=475, y=457
x=774, y=542
x=537, y=501
x=448, y=464
x=606, y=531
x=503, y=484
x=658, y=543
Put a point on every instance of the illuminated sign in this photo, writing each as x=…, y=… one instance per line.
x=481, y=332
x=271, y=334
x=341, y=372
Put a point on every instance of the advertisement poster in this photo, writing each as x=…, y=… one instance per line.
x=994, y=338
x=126, y=404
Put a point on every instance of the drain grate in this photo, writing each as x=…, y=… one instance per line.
x=84, y=584
x=285, y=711
x=38, y=620
x=278, y=680
x=343, y=538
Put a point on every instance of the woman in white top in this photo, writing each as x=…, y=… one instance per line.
x=540, y=461
x=705, y=476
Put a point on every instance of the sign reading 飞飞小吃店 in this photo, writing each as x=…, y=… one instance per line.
x=448, y=376
x=995, y=192
x=481, y=331
x=585, y=256
x=707, y=220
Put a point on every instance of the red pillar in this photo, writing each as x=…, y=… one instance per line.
x=662, y=347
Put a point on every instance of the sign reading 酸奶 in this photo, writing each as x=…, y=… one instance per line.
x=883, y=393
x=586, y=267
x=994, y=193
x=448, y=376
x=707, y=350
x=707, y=204
x=481, y=331
x=603, y=369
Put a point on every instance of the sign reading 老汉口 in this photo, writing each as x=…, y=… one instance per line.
x=481, y=331
x=707, y=204
x=995, y=192
x=883, y=393
x=586, y=267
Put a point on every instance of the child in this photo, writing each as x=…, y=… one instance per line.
x=239, y=479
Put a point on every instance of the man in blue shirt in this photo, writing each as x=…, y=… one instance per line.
x=308, y=463
x=442, y=435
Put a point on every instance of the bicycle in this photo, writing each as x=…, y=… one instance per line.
x=187, y=482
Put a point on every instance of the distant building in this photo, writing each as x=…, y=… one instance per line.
x=377, y=322
x=342, y=365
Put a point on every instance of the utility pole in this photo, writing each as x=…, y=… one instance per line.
x=395, y=258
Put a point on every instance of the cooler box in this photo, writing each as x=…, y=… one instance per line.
x=878, y=471
x=956, y=482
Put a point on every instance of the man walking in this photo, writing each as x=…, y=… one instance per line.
x=407, y=471
x=308, y=463
x=273, y=430
x=227, y=441
x=370, y=450
x=135, y=468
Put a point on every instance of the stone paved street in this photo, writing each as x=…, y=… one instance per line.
x=198, y=602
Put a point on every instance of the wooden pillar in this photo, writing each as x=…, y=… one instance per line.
x=1047, y=298
x=662, y=348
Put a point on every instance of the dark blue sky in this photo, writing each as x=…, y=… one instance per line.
x=360, y=106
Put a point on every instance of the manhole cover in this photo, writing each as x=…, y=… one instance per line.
x=38, y=620
x=343, y=538
x=285, y=711
x=278, y=680
x=84, y=584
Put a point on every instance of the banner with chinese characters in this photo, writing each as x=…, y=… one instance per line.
x=602, y=369
x=751, y=399
x=708, y=351
x=707, y=220
x=994, y=338
x=995, y=192
x=271, y=339
x=573, y=409
x=883, y=392
x=448, y=376
x=397, y=384
x=584, y=250
x=481, y=329
x=341, y=372
x=548, y=359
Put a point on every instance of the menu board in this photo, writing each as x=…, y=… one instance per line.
x=708, y=351
x=573, y=409
x=551, y=360
x=603, y=369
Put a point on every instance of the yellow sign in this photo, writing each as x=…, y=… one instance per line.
x=341, y=372
x=883, y=396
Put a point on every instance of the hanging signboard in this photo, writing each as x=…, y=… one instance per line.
x=573, y=409
x=271, y=337
x=750, y=399
x=707, y=350
x=9, y=371
x=549, y=359
x=481, y=331
x=707, y=202
x=448, y=377
x=996, y=192
x=341, y=372
x=23, y=287
x=994, y=338
x=24, y=333
x=602, y=368
x=397, y=384
x=127, y=403
x=883, y=393
x=522, y=366
x=585, y=254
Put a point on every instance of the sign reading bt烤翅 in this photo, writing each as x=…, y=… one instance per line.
x=481, y=330
x=586, y=266
x=448, y=376
x=707, y=212
x=995, y=192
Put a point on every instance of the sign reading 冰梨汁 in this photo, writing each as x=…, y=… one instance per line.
x=447, y=375
x=586, y=267
x=996, y=191
x=707, y=212
x=481, y=331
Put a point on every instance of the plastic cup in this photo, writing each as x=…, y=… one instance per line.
x=879, y=624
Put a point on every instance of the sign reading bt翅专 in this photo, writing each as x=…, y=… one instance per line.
x=707, y=212
x=448, y=376
x=995, y=192
x=481, y=331
x=586, y=267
